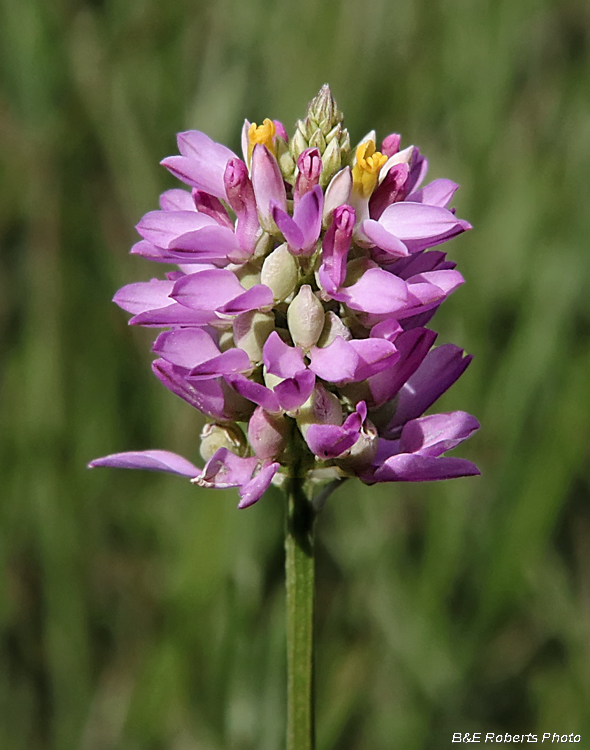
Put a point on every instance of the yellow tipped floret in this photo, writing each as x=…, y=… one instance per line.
x=365, y=172
x=261, y=134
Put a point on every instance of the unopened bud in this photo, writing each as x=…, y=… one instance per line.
x=333, y=327
x=390, y=145
x=322, y=407
x=317, y=140
x=267, y=433
x=297, y=144
x=251, y=329
x=305, y=317
x=238, y=187
x=215, y=436
x=280, y=272
x=284, y=159
x=345, y=145
x=226, y=341
x=335, y=133
x=331, y=162
x=324, y=110
x=248, y=275
x=280, y=131
x=264, y=245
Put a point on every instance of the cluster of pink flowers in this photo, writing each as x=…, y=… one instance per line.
x=296, y=316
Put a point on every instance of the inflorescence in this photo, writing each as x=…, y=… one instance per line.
x=296, y=315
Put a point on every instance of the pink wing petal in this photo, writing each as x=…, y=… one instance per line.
x=151, y=460
x=144, y=295
x=436, y=193
x=417, y=221
x=377, y=291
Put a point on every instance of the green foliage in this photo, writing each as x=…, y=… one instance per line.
x=138, y=612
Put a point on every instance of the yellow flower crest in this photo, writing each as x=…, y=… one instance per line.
x=366, y=170
x=261, y=134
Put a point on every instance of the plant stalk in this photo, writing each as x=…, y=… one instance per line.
x=299, y=569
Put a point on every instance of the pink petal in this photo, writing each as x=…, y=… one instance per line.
x=409, y=467
x=253, y=490
x=437, y=433
x=226, y=363
x=255, y=392
x=335, y=363
x=152, y=460
x=177, y=200
x=417, y=221
x=257, y=297
x=186, y=347
x=281, y=359
x=377, y=291
x=267, y=182
x=144, y=295
x=383, y=238
x=207, y=290
x=436, y=193
x=293, y=392
x=224, y=469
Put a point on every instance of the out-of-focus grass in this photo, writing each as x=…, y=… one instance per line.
x=138, y=612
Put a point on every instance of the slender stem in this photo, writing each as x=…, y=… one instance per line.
x=299, y=568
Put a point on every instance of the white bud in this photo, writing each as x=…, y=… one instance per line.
x=305, y=317
x=280, y=272
x=251, y=329
x=333, y=327
x=216, y=436
x=248, y=275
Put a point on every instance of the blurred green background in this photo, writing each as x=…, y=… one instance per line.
x=138, y=612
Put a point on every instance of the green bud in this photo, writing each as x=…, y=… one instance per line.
x=318, y=141
x=324, y=110
x=331, y=162
x=305, y=318
x=309, y=126
x=335, y=133
x=284, y=159
x=251, y=329
x=345, y=146
x=280, y=272
x=297, y=144
x=215, y=436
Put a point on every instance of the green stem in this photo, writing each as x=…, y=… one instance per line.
x=299, y=568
